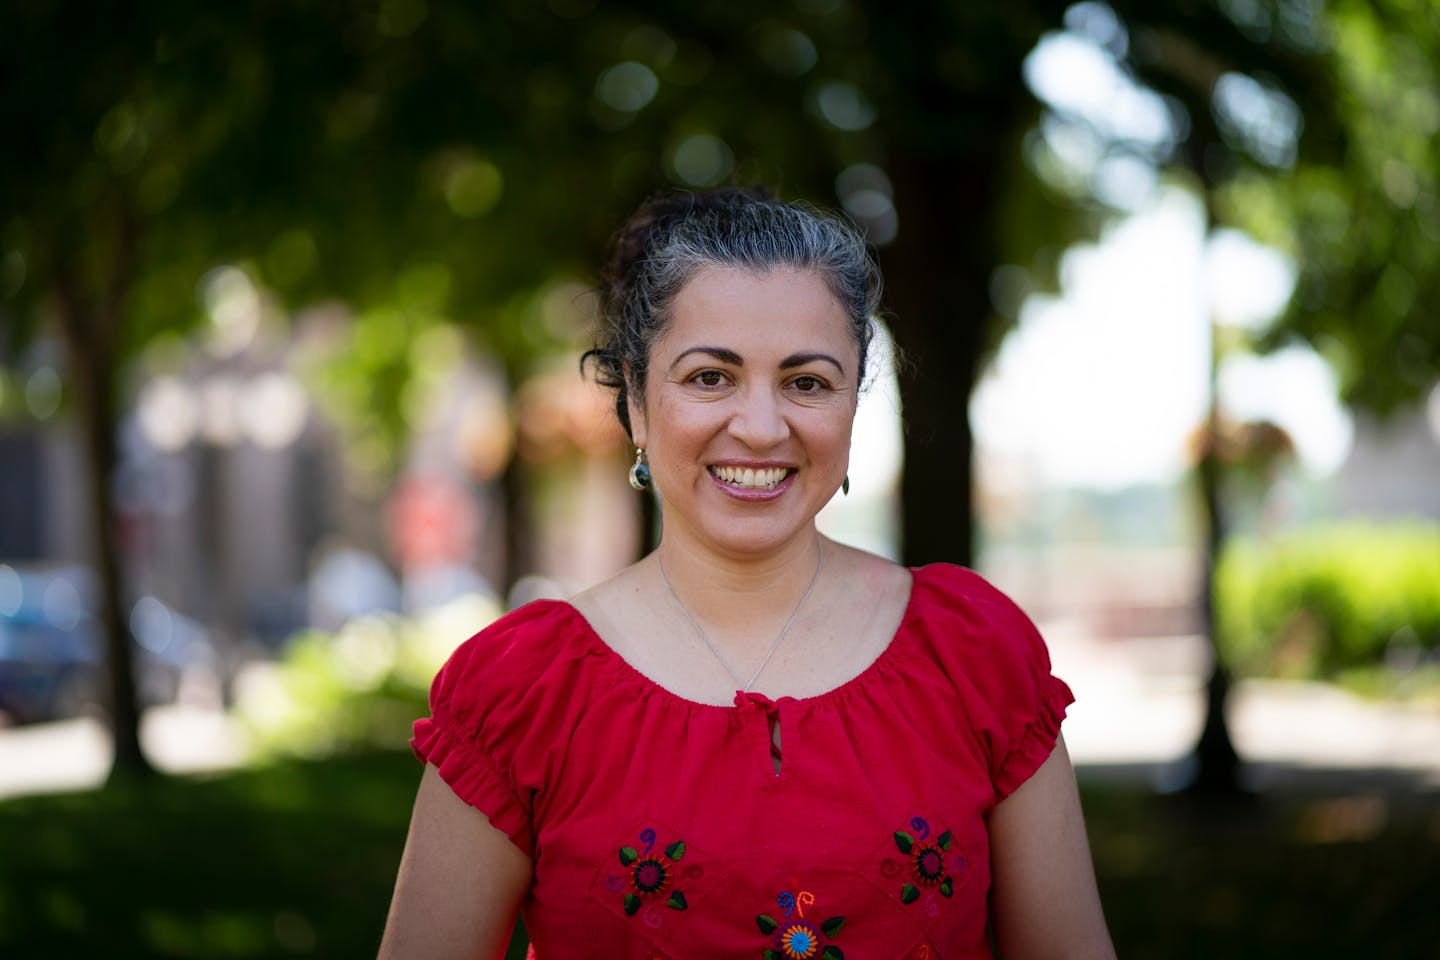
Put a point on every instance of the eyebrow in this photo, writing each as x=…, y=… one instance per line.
x=735, y=360
x=800, y=359
x=719, y=353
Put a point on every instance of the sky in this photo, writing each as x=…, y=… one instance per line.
x=1102, y=386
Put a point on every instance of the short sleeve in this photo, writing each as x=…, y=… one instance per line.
x=487, y=733
x=995, y=653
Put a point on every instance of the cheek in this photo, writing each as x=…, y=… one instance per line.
x=833, y=434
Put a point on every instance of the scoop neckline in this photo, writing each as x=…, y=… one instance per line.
x=655, y=688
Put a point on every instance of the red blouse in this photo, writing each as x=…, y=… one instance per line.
x=660, y=828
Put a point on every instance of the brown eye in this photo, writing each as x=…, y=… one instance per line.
x=709, y=378
x=807, y=384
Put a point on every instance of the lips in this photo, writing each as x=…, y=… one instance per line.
x=750, y=478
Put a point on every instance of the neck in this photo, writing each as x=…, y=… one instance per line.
x=741, y=600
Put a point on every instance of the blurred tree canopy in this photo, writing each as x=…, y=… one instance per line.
x=1360, y=213
x=433, y=161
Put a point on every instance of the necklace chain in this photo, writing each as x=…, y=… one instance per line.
x=700, y=632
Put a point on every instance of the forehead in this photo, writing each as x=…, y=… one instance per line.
x=789, y=305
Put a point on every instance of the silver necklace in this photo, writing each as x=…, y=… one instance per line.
x=745, y=687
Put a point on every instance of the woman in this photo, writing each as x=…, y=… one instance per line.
x=755, y=742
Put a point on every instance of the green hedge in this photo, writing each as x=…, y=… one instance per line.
x=1326, y=600
x=358, y=688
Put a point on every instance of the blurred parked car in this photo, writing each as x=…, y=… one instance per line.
x=52, y=651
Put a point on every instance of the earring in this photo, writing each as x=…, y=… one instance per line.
x=640, y=470
x=845, y=487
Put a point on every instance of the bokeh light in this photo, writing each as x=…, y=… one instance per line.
x=43, y=392
x=273, y=410
x=168, y=411
x=701, y=160
x=843, y=106
x=627, y=87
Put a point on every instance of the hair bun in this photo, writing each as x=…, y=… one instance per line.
x=655, y=218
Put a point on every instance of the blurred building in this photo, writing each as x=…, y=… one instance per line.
x=237, y=507
x=1393, y=469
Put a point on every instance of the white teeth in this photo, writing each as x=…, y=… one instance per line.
x=748, y=478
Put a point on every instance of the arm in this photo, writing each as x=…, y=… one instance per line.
x=460, y=884
x=1044, y=903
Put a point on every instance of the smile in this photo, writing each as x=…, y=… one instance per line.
x=746, y=478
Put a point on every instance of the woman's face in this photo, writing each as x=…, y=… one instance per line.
x=749, y=400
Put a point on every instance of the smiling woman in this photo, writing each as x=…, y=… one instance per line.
x=888, y=782
x=747, y=409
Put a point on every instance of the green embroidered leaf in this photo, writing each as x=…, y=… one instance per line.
x=944, y=840
x=947, y=887
x=770, y=955
x=904, y=841
x=909, y=893
x=632, y=904
x=831, y=952
x=677, y=901
x=676, y=850
x=628, y=855
x=766, y=924
x=832, y=926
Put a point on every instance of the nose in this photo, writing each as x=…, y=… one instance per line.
x=758, y=420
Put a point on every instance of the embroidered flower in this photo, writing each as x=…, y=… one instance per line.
x=927, y=864
x=649, y=875
x=798, y=938
x=926, y=861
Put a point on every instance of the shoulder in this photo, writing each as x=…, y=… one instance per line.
x=990, y=651
x=958, y=596
x=510, y=656
x=488, y=728
x=976, y=634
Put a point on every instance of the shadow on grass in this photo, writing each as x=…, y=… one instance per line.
x=295, y=859
x=298, y=859
x=1313, y=864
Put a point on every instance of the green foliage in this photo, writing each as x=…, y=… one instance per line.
x=1360, y=214
x=358, y=688
x=1330, y=599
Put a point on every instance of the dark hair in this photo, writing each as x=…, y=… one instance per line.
x=674, y=235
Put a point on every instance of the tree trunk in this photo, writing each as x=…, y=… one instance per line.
x=1216, y=764
x=88, y=338
x=951, y=122
x=519, y=532
x=938, y=296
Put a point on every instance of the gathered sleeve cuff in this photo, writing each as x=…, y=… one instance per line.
x=470, y=772
x=994, y=655
x=1030, y=750
x=494, y=722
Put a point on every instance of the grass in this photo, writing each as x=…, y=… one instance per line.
x=298, y=859
x=290, y=860
x=1347, y=868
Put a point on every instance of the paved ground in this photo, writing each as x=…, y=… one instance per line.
x=1138, y=711
x=1140, y=705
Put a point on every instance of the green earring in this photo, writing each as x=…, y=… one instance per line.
x=640, y=471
